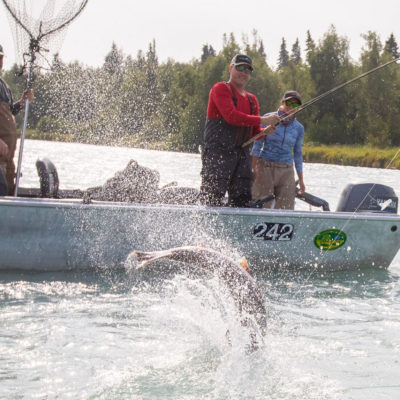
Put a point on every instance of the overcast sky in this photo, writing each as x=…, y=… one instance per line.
x=181, y=27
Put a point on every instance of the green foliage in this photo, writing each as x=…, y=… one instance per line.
x=295, y=55
x=362, y=156
x=283, y=60
x=138, y=100
x=310, y=47
x=392, y=47
x=48, y=125
x=208, y=51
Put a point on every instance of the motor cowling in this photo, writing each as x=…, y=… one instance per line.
x=368, y=197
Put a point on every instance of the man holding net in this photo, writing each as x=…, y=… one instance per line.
x=8, y=129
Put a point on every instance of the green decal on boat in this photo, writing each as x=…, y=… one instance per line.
x=331, y=239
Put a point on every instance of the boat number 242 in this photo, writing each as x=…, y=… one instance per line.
x=272, y=231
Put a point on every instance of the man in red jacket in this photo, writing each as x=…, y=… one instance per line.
x=232, y=118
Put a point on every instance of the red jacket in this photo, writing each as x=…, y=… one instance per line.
x=221, y=105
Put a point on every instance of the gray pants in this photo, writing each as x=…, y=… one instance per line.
x=277, y=179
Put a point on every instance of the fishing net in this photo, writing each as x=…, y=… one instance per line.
x=39, y=27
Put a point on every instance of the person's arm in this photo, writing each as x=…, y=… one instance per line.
x=298, y=158
x=20, y=104
x=301, y=182
x=16, y=108
x=269, y=122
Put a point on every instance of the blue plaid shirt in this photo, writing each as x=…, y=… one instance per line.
x=284, y=145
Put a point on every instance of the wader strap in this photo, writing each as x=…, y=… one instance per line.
x=242, y=132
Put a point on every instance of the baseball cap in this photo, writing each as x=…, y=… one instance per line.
x=1, y=50
x=241, y=59
x=291, y=94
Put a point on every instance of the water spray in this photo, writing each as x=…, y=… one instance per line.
x=33, y=32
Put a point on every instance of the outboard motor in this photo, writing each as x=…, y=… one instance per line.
x=368, y=197
x=48, y=178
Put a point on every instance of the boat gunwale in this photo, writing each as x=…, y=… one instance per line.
x=95, y=204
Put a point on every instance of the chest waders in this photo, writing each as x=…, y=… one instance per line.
x=226, y=165
x=8, y=133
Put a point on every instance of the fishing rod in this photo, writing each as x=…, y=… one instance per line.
x=321, y=96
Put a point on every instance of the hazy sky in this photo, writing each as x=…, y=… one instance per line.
x=181, y=27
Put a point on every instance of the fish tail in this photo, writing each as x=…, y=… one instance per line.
x=146, y=258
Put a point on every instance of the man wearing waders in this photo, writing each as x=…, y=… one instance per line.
x=232, y=118
x=8, y=129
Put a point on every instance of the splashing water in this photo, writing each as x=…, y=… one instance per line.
x=124, y=335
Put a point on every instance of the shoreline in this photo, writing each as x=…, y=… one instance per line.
x=346, y=155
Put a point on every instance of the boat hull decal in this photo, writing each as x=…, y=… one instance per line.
x=273, y=231
x=330, y=239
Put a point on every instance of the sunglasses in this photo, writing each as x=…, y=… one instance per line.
x=244, y=68
x=293, y=104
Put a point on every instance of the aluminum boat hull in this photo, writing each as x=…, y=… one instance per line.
x=66, y=234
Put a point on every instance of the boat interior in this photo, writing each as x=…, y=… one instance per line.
x=362, y=197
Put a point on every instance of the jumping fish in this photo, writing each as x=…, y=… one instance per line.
x=234, y=275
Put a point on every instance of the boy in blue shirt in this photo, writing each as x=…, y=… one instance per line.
x=274, y=156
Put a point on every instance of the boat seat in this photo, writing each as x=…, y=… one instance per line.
x=3, y=184
x=48, y=177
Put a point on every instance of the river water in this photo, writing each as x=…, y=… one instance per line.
x=112, y=335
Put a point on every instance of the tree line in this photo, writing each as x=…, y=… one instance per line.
x=140, y=99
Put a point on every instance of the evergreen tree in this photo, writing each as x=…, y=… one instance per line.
x=230, y=47
x=111, y=76
x=295, y=56
x=261, y=50
x=140, y=60
x=380, y=92
x=57, y=63
x=113, y=60
x=392, y=47
x=141, y=96
x=310, y=47
x=329, y=67
x=153, y=94
x=283, y=60
x=193, y=113
x=208, y=51
x=256, y=48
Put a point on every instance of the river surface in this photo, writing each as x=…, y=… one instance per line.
x=115, y=335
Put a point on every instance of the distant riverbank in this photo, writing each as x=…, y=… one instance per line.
x=356, y=156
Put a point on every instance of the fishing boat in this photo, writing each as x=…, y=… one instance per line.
x=47, y=229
